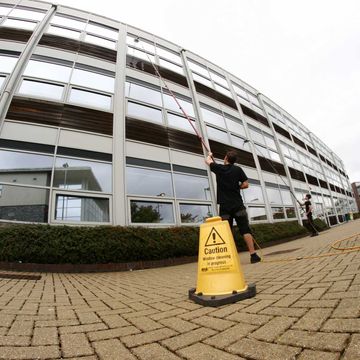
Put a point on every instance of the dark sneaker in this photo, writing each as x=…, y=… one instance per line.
x=254, y=258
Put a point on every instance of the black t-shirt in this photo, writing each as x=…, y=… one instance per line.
x=228, y=180
x=307, y=206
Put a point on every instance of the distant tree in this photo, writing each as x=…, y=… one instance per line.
x=188, y=218
x=144, y=214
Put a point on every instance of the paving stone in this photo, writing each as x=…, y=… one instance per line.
x=205, y=352
x=260, y=305
x=280, y=311
x=229, y=336
x=147, y=337
x=342, y=295
x=75, y=345
x=154, y=352
x=313, y=319
x=254, y=349
x=287, y=300
x=342, y=325
x=21, y=328
x=183, y=340
x=353, y=350
x=12, y=340
x=82, y=328
x=29, y=353
x=145, y=323
x=254, y=319
x=316, y=303
x=314, y=340
x=179, y=325
x=45, y=336
x=318, y=355
x=213, y=323
x=112, y=349
x=273, y=329
x=88, y=318
x=115, y=321
x=314, y=294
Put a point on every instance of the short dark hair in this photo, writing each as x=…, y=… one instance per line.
x=308, y=196
x=231, y=156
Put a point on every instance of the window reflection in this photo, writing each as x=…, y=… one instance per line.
x=55, y=30
x=40, y=89
x=85, y=175
x=27, y=14
x=171, y=66
x=24, y=204
x=143, y=93
x=213, y=118
x=93, y=80
x=217, y=135
x=290, y=212
x=286, y=197
x=102, y=30
x=180, y=122
x=277, y=213
x=2, y=81
x=273, y=195
x=256, y=213
x=151, y=212
x=194, y=213
x=81, y=209
x=253, y=194
x=191, y=187
x=235, y=126
x=46, y=70
x=91, y=99
x=170, y=103
x=148, y=182
x=100, y=41
x=144, y=112
x=21, y=24
x=78, y=24
x=25, y=168
x=7, y=63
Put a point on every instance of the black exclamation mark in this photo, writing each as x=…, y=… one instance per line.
x=214, y=237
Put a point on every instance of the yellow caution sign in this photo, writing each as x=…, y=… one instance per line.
x=220, y=277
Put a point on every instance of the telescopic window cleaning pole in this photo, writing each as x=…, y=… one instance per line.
x=137, y=40
x=273, y=167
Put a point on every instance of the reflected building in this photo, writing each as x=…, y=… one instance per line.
x=89, y=134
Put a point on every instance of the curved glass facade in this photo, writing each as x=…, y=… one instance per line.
x=89, y=134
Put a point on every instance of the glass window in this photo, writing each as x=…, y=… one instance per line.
x=256, y=136
x=7, y=63
x=78, y=24
x=240, y=143
x=144, y=112
x=148, y=182
x=256, y=213
x=85, y=175
x=217, y=135
x=56, y=30
x=45, y=70
x=168, y=55
x=202, y=80
x=290, y=212
x=90, y=99
x=171, y=66
x=141, y=54
x=93, y=80
x=223, y=90
x=269, y=140
x=144, y=94
x=180, y=122
x=170, y=103
x=241, y=91
x=219, y=79
x=286, y=197
x=277, y=213
x=4, y=10
x=191, y=187
x=36, y=88
x=2, y=81
x=27, y=14
x=212, y=117
x=235, y=126
x=100, y=41
x=273, y=195
x=25, y=168
x=274, y=156
x=102, y=30
x=151, y=212
x=21, y=24
x=254, y=100
x=253, y=194
x=198, y=69
x=81, y=209
x=194, y=213
x=141, y=44
x=262, y=151
x=24, y=204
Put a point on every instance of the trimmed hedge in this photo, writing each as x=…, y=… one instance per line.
x=45, y=244
x=356, y=216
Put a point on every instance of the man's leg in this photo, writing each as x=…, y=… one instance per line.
x=249, y=243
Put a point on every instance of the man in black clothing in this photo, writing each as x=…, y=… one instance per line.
x=230, y=179
x=308, y=211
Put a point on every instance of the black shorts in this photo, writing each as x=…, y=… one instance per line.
x=240, y=216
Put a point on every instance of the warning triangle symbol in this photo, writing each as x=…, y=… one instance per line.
x=214, y=238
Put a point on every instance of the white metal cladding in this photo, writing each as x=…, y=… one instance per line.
x=114, y=138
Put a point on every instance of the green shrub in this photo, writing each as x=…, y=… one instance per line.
x=45, y=244
x=356, y=216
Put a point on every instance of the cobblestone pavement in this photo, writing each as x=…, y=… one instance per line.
x=305, y=309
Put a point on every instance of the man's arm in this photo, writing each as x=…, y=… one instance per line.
x=244, y=185
x=209, y=160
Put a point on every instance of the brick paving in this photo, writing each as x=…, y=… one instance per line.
x=307, y=309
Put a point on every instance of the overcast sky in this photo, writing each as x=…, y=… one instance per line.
x=304, y=55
